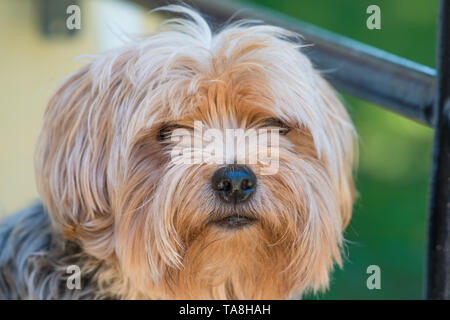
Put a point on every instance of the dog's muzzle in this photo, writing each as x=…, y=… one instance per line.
x=234, y=184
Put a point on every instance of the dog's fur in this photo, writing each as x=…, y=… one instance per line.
x=139, y=225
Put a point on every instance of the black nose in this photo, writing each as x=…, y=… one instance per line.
x=234, y=184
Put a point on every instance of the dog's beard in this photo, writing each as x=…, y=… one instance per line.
x=178, y=239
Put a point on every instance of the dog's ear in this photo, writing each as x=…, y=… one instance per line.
x=71, y=163
x=344, y=148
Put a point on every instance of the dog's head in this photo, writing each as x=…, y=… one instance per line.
x=109, y=171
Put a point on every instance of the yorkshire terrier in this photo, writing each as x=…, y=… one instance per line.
x=118, y=203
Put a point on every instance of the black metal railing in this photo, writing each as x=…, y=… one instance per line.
x=438, y=254
x=405, y=87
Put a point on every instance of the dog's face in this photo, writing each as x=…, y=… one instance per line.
x=107, y=173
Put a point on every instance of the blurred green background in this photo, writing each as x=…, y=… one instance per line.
x=388, y=227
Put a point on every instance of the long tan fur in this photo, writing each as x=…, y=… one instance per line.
x=109, y=185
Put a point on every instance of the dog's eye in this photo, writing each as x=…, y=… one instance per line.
x=166, y=130
x=276, y=123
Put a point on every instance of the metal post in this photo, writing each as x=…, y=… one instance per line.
x=438, y=256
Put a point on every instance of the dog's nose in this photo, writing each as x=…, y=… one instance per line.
x=234, y=184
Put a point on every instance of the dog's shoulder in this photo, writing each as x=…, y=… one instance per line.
x=34, y=258
x=22, y=236
x=18, y=230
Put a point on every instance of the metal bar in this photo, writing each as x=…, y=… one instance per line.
x=438, y=255
x=374, y=75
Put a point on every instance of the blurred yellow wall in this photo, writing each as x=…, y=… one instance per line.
x=31, y=67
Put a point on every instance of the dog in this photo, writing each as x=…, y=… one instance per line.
x=138, y=224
